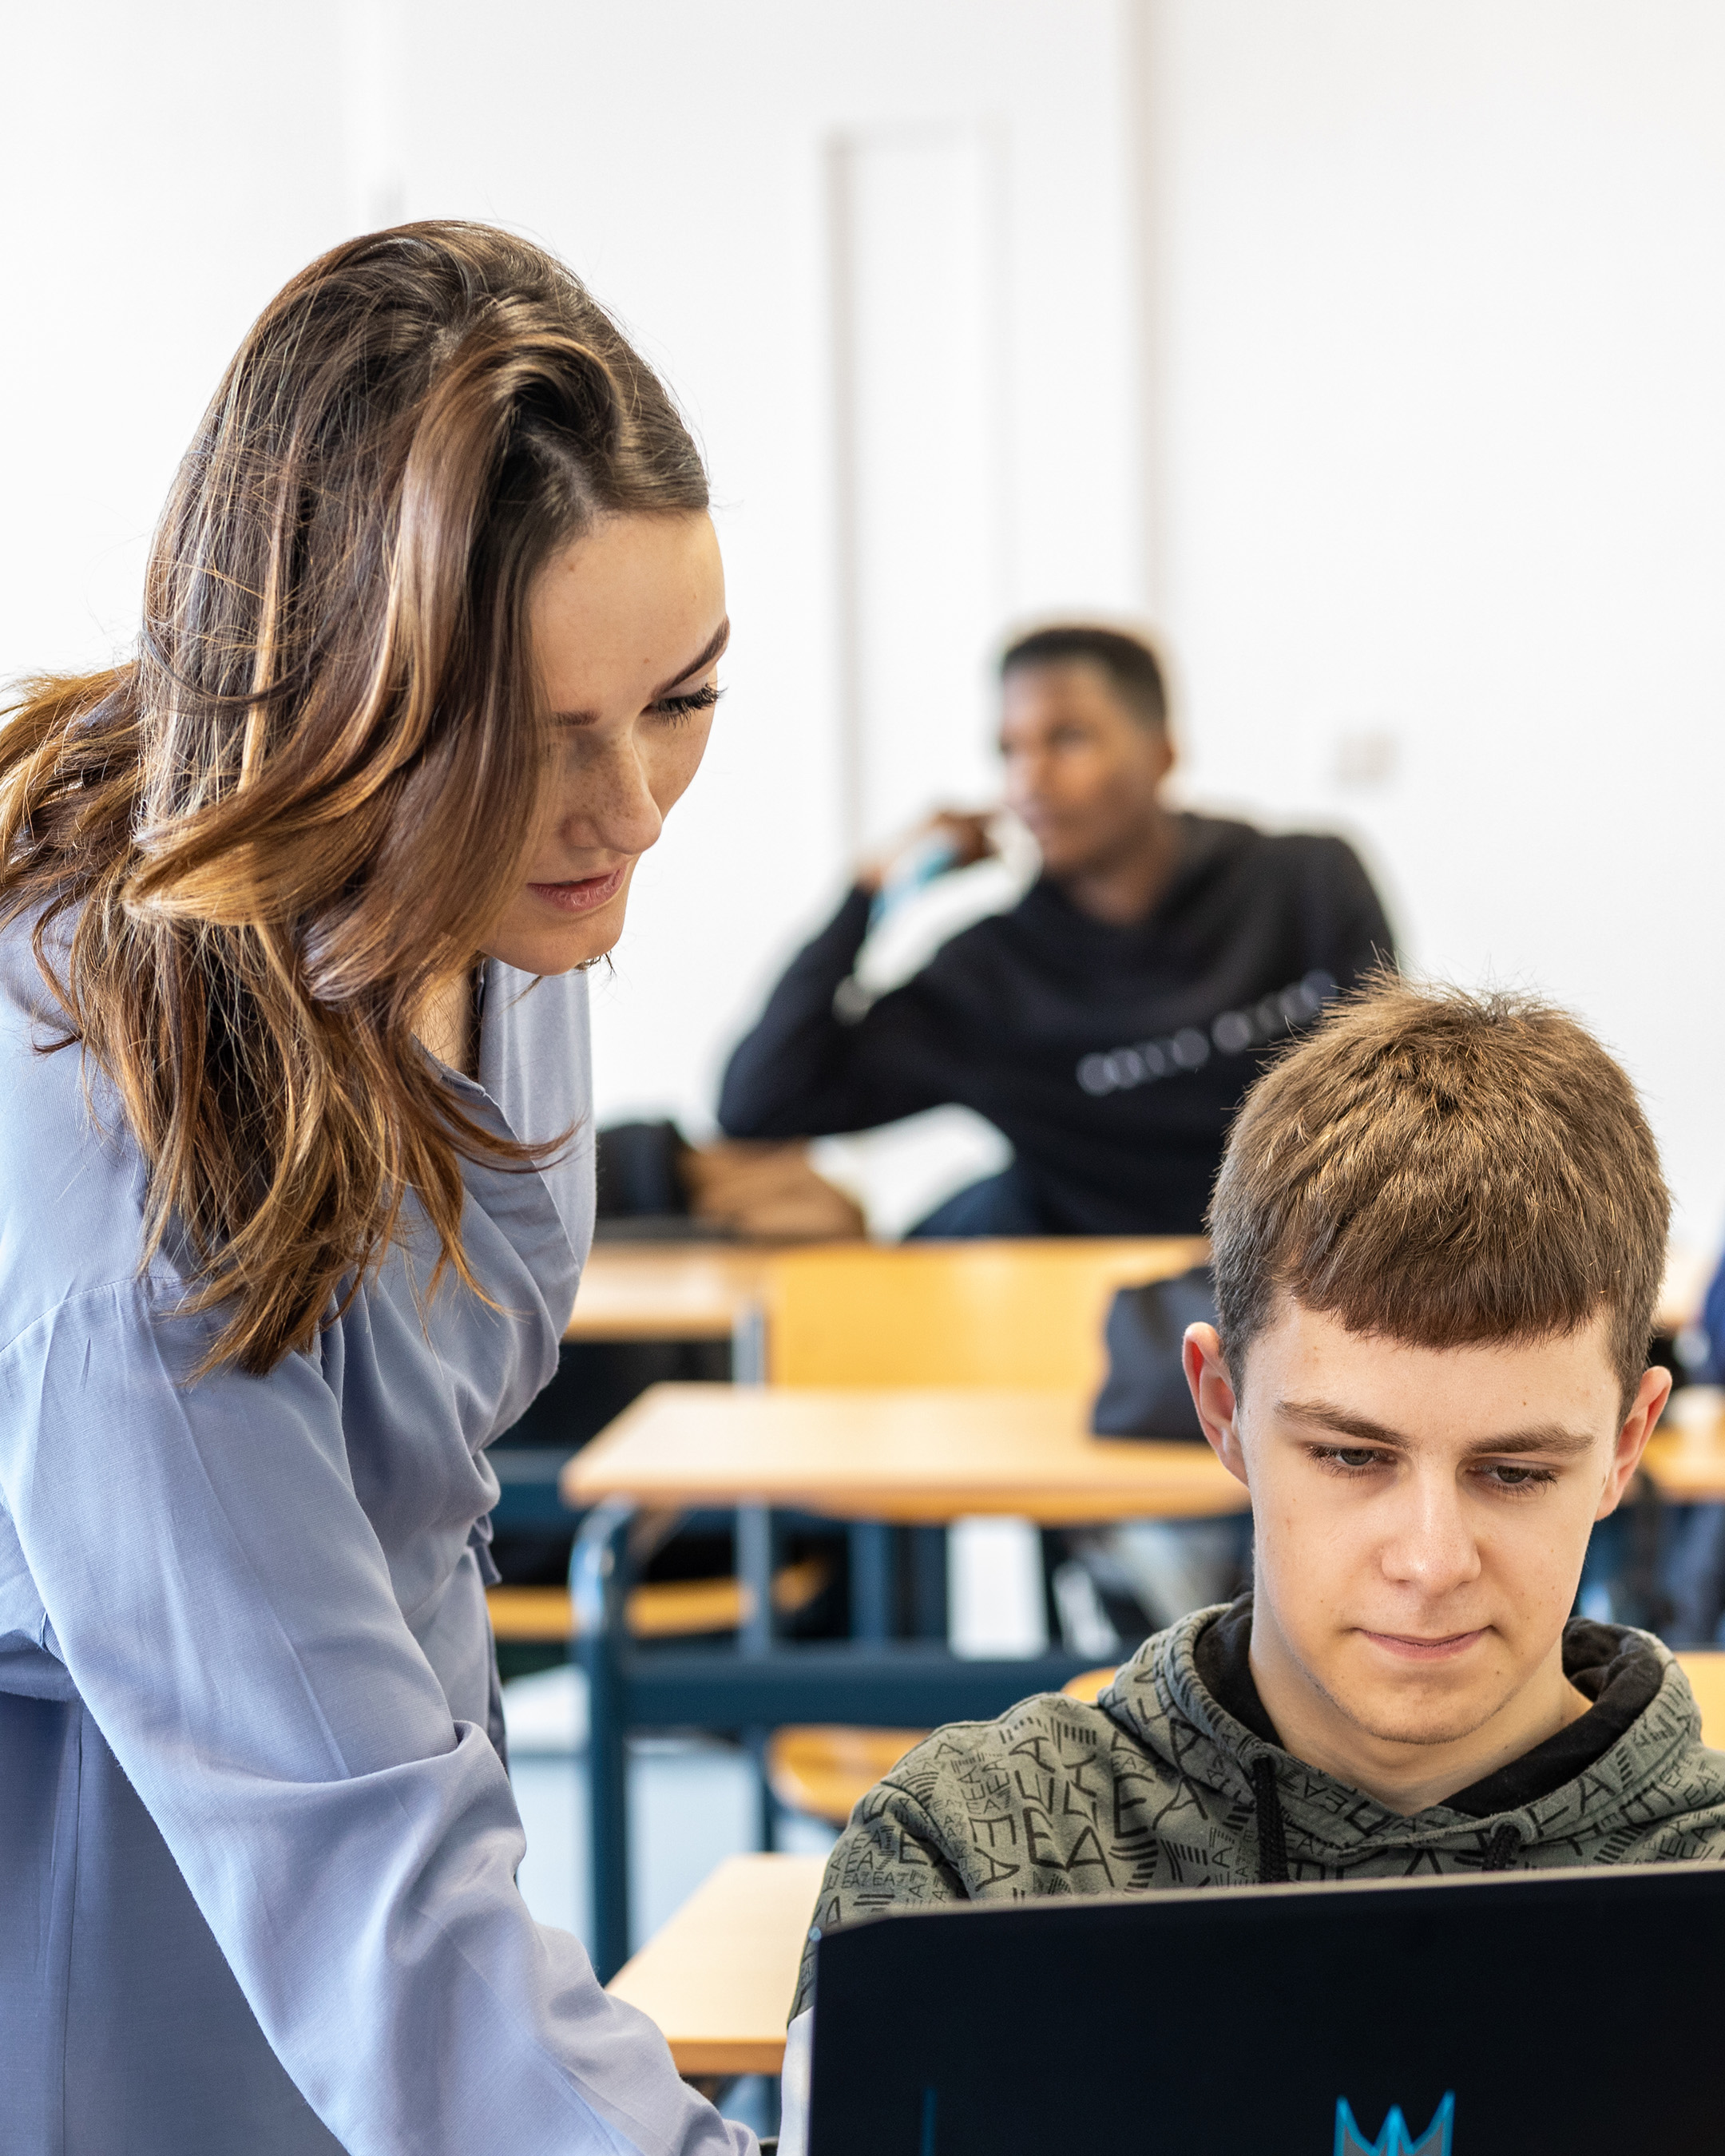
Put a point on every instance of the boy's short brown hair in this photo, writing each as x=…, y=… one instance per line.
x=1443, y=1169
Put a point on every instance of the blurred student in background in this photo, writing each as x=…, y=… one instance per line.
x=1106, y=1025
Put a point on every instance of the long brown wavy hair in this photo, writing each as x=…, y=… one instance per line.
x=251, y=852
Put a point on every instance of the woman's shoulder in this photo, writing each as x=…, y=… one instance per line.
x=71, y=1178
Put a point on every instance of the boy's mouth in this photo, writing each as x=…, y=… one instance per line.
x=1410, y=1647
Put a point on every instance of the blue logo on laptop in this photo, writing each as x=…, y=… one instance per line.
x=1394, y=2140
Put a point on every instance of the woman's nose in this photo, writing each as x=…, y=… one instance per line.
x=609, y=804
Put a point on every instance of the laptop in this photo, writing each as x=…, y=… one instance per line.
x=1574, y=2013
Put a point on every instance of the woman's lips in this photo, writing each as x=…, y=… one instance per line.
x=1425, y=1650
x=584, y=893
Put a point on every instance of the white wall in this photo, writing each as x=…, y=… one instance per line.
x=166, y=171
x=677, y=155
x=1438, y=395
x=1434, y=468
x=163, y=170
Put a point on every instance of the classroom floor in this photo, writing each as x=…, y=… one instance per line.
x=692, y=1803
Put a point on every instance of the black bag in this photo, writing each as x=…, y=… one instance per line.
x=1145, y=1393
x=639, y=1167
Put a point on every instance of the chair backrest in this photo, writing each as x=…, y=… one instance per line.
x=1705, y=1669
x=987, y=1312
x=1089, y=1685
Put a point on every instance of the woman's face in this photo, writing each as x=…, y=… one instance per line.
x=627, y=626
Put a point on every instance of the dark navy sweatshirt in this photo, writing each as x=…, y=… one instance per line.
x=1111, y=1058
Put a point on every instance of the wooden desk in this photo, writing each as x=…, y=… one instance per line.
x=719, y=1979
x=919, y=1457
x=668, y=1290
x=869, y=1455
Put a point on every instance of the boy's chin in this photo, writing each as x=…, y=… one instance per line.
x=1428, y=1705
x=1406, y=1722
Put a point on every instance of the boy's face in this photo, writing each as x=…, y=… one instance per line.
x=1420, y=1516
x=1081, y=771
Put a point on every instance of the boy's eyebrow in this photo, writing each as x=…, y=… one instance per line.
x=715, y=646
x=1536, y=1437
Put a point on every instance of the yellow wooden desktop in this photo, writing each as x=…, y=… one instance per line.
x=719, y=1977
x=907, y=1456
x=668, y=1290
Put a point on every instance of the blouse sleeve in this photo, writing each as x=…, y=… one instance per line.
x=224, y=1608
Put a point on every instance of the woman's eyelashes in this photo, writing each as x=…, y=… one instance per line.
x=685, y=706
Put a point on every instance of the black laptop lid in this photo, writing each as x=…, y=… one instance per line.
x=1556, y=2013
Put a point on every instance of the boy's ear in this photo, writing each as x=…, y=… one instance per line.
x=1212, y=1395
x=1651, y=1395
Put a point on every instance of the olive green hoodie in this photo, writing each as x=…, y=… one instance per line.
x=1159, y=1785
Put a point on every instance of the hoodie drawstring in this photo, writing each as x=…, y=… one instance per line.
x=1502, y=1850
x=1504, y=1847
x=1272, y=1834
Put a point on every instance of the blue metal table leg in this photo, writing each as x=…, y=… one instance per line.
x=754, y=1564
x=754, y=1571
x=871, y=1581
x=929, y=1582
x=599, y=1585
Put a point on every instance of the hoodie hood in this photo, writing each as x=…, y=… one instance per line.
x=1656, y=1792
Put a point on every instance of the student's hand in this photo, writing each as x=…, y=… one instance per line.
x=965, y=831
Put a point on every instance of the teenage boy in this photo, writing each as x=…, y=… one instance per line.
x=1438, y=1233
x=1106, y=1025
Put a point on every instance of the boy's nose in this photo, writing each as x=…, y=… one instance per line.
x=1431, y=1545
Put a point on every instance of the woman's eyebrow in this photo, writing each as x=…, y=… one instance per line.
x=714, y=645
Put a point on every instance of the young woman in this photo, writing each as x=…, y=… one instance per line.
x=295, y=1189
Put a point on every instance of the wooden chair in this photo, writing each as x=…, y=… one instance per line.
x=1705, y=1669
x=659, y=1609
x=982, y=1312
x=823, y=1768
x=987, y=1312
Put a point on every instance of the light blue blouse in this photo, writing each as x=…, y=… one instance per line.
x=257, y=1852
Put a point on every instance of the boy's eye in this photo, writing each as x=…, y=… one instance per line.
x=1349, y=1457
x=1507, y=1477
